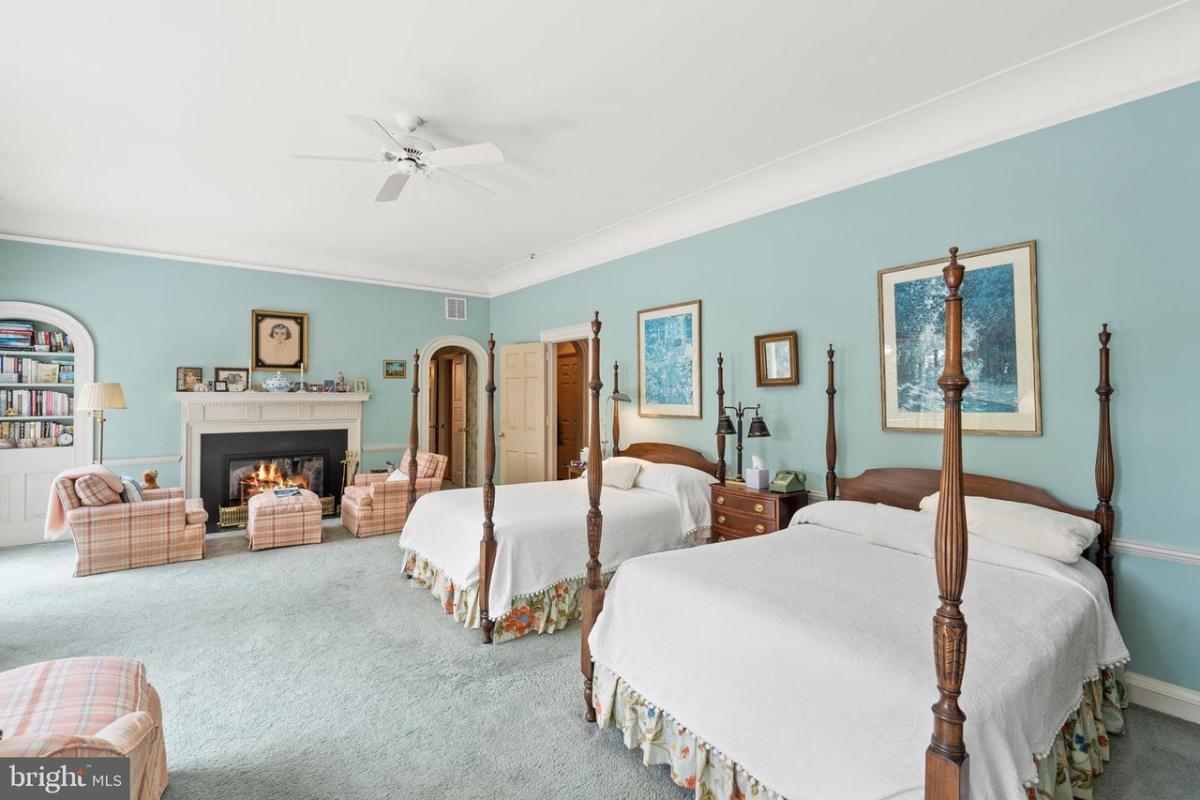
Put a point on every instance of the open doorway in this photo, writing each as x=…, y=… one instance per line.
x=453, y=413
x=571, y=394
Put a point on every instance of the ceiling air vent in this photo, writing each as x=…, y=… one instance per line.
x=456, y=308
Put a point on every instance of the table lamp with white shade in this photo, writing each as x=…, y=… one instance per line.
x=98, y=398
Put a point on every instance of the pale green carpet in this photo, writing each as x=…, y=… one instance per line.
x=316, y=672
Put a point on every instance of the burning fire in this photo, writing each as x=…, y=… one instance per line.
x=268, y=476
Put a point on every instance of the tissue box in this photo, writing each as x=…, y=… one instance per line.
x=757, y=478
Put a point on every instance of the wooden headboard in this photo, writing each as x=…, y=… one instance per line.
x=905, y=486
x=664, y=453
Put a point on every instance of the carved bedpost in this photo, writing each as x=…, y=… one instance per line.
x=412, y=432
x=616, y=432
x=720, y=411
x=1106, y=473
x=593, y=591
x=487, y=547
x=830, y=436
x=946, y=757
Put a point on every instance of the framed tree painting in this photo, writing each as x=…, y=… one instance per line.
x=1000, y=343
x=669, y=359
x=278, y=340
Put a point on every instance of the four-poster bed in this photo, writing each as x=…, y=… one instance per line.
x=818, y=660
x=522, y=576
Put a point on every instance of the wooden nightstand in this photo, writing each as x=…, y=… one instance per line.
x=738, y=512
x=575, y=469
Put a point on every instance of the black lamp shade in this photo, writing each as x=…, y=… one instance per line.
x=758, y=429
x=725, y=426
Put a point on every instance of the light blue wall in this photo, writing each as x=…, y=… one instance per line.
x=149, y=315
x=1111, y=200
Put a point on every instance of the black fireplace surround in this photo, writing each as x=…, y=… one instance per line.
x=218, y=450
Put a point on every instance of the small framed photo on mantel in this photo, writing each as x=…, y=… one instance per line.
x=776, y=359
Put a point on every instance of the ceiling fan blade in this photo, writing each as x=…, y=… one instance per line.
x=374, y=128
x=466, y=156
x=355, y=159
x=459, y=184
x=391, y=187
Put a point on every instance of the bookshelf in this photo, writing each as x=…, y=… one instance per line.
x=37, y=395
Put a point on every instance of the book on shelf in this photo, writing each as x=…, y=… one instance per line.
x=37, y=434
x=20, y=335
x=33, y=370
x=36, y=403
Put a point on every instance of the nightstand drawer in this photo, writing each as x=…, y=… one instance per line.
x=734, y=525
x=724, y=500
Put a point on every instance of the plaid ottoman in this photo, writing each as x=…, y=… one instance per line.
x=281, y=521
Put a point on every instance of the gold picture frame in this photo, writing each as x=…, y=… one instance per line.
x=278, y=340
x=777, y=359
x=1000, y=352
x=670, y=373
x=395, y=368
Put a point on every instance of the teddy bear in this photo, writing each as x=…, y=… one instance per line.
x=150, y=479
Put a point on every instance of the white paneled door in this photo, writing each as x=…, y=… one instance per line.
x=522, y=440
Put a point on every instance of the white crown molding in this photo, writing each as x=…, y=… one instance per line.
x=1176, y=554
x=1162, y=696
x=1142, y=57
x=216, y=262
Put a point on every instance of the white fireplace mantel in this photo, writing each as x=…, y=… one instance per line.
x=240, y=412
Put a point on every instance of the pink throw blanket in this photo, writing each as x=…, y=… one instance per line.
x=56, y=515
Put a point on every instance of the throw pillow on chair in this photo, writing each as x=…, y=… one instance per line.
x=95, y=491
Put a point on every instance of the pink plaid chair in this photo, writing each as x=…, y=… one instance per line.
x=375, y=505
x=163, y=529
x=86, y=708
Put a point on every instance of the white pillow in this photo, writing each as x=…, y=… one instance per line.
x=620, y=473
x=902, y=529
x=673, y=479
x=397, y=475
x=847, y=516
x=1034, y=529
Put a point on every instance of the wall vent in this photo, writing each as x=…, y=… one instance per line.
x=456, y=308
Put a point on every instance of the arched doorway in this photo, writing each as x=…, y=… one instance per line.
x=448, y=421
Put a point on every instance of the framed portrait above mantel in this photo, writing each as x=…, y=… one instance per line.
x=278, y=340
x=669, y=359
x=776, y=360
x=1000, y=343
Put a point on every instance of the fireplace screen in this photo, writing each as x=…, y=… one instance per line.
x=251, y=476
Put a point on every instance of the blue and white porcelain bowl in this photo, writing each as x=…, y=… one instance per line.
x=277, y=383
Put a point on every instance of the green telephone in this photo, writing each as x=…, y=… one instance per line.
x=787, y=480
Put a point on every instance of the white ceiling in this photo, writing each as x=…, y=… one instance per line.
x=168, y=127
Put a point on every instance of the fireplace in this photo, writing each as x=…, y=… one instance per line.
x=236, y=466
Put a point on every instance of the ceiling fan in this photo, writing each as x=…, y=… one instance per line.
x=406, y=155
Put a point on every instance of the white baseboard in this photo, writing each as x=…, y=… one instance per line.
x=1162, y=696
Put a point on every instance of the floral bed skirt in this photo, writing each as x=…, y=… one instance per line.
x=546, y=611
x=1067, y=771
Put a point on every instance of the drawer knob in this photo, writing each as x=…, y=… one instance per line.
x=758, y=507
x=721, y=519
x=720, y=499
x=759, y=529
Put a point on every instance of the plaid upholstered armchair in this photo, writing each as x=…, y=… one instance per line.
x=113, y=535
x=374, y=505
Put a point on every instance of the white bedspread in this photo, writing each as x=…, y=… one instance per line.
x=806, y=656
x=541, y=532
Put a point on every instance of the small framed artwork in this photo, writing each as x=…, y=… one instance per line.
x=776, y=359
x=186, y=378
x=329, y=387
x=669, y=359
x=220, y=386
x=360, y=385
x=395, y=368
x=1000, y=343
x=237, y=379
x=278, y=340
